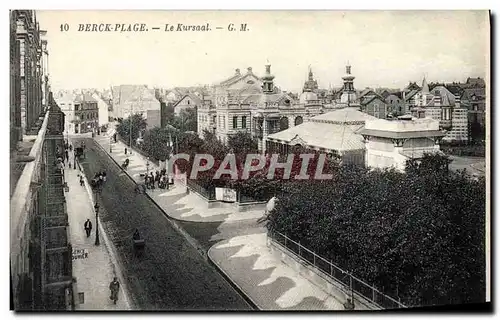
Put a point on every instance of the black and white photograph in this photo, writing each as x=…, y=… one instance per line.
x=249, y=160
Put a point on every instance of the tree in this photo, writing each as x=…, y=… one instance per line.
x=158, y=143
x=187, y=120
x=138, y=125
x=243, y=142
x=419, y=235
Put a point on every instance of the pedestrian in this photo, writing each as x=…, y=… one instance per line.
x=70, y=148
x=125, y=150
x=114, y=287
x=152, y=180
x=66, y=153
x=157, y=177
x=103, y=176
x=82, y=182
x=88, y=227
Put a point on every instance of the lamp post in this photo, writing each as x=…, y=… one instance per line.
x=96, y=207
x=147, y=166
x=110, y=146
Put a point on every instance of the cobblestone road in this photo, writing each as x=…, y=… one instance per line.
x=171, y=275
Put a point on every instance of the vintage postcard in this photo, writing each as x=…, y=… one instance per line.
x=249, y=160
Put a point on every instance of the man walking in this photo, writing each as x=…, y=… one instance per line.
x=88, y=227
x=114, y=287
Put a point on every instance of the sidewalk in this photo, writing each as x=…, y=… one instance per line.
x=92, y=266
x=242, y=253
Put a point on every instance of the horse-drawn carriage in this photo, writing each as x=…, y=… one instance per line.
x=79, y=153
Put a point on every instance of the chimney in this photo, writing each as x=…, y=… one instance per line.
x=249, y=70
x=238, y=72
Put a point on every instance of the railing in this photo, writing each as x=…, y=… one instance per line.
x=208, y=194
x=330, y=270
x=21, y=203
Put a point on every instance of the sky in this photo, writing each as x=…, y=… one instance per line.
x=384, y=48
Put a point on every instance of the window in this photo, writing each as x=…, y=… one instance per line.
x=189, y=102
x=214, y=119
x=76, y=107
x=244, y=122
x=235, y=122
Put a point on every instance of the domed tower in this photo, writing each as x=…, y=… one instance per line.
x=267, y=79
x=348, y=92
x=310, y=85
x=308, y=93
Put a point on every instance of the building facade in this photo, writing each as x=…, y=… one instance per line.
x=376, y=107
x=442, y=105
x=133, y=99
x=16, y=132
x=358, y=138
x=248, y=103
x=390, y=143
x=65, y=100
x=28, y=38
x=334, y=132
x=103, y=110
x=86, y=113
x=40, y=251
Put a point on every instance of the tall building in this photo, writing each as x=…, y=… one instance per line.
x=40, y=253
x=86, y=113
x=15, y=83
x=28, y=37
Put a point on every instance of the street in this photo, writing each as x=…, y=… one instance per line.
x=171, y=275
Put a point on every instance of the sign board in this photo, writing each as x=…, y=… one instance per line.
x=79, y=254
x=225, y=194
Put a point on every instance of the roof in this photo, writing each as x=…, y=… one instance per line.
x=410, y=94
x=373, y=98
x=86, y=97
x=195, y=98
x=343, y=116
x=329, y=136
x=406, y=134
x=476, y=82
x=132, y=93
x=447, y=98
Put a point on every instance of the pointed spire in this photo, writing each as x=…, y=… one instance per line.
x=425, y=86
x=310, y=74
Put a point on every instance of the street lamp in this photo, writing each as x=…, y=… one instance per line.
x=96, y=207
x=147, y=166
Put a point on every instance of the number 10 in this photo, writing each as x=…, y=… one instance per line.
x=64, y=27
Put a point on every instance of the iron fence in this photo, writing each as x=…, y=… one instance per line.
x=206, y=193
x=329, y=269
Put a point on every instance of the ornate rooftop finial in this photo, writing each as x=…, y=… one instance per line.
x=348, y=68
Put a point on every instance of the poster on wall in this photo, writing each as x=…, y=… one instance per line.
x=225, y=194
